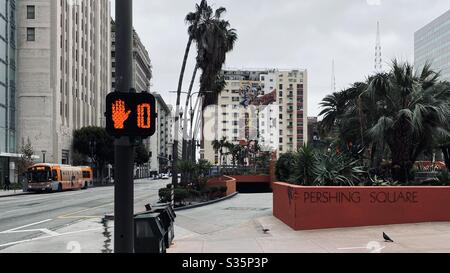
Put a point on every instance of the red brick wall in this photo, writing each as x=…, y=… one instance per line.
x=227, y=181
x=304, y=208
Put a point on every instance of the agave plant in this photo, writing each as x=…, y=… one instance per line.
x=304, y=162
x=334, y=169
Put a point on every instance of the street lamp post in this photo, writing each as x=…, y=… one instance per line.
x=185, y=149
x=43, y=155
x=92, y=145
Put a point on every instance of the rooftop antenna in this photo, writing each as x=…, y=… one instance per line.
x=378, y=57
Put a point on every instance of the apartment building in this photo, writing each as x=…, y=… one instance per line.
x=264, y=105
x=63, y=71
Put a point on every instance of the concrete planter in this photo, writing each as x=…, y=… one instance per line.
x=307, y=208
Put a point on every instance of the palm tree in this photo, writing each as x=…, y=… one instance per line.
x=216, y=39
x=218, y=146
x=404, y=110
x=205, y=16
x=235, y=151
x=193, y=19
x=415, y=113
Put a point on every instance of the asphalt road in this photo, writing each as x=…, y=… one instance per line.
x=29, y=216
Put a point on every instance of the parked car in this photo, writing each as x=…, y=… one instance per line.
x=165, y=176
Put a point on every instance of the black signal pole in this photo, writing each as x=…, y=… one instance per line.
x=124, y=149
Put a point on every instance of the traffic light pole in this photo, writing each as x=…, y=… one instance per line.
x=124, y=149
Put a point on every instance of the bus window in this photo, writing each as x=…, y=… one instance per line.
x=39, y=175
x=86, y=174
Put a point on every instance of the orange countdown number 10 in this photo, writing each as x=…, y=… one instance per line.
x=144, y=121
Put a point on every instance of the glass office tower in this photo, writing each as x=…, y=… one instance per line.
x=432, y=44
x=7, y=88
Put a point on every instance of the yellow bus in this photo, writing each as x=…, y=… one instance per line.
x=56, y=177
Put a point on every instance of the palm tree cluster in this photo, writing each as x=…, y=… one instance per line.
x=214, y=39
x=398, y=114
x=240, y=154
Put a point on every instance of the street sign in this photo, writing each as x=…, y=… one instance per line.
x=130, y=114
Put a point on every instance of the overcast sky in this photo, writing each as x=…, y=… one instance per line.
x=305, y=34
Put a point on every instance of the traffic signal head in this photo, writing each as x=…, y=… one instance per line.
x=130, y=114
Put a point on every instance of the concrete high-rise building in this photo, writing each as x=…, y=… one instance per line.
x=267, y=105
x=142, y=67
x=432, y=44
x=159, y=144
x=8, y=66
x=63, y=71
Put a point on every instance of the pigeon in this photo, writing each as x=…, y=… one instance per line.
x=386, y=238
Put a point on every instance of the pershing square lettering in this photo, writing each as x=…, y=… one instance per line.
x=355, y=197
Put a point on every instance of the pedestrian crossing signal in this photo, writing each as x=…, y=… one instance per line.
x=130, y=114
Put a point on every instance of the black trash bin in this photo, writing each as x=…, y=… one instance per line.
x=149, y=233
x=166, y=205
x=167, y=220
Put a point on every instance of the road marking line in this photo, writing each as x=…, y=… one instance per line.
x=51, y=236
x=43, y=230
x=81, y=217
x=29, y=225
x=350, y=248
x=50, y=232
x=84, y=210
x=354, y=248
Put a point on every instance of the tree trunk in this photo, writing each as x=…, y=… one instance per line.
x=446, y=152
x=185, y=121
x=177, y=115
x=401, y=156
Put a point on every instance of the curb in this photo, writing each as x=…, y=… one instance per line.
x=12, y=195
x=207, y=203
x=110, y=217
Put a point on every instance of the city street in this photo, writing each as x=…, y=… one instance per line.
x=30, y=216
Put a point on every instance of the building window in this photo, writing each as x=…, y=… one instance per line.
x=31, y=34
x=31, y=12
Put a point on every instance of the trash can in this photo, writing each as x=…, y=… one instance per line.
x=167, y=221
x=164, y=205
x=149, y=233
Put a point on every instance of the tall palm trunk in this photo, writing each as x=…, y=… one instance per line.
x=402, y=163
x=177, y=114
x=185, y=121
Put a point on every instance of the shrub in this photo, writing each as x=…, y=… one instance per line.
x=223, y=191
x=180, y=195
x=214, y=189
x=444, y=178
x=194, y=193
x=285, y=167
x=165, y=195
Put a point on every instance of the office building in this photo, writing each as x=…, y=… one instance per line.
x=142, y=67
x=432, y=44
x=8, y=140
x=63, y=71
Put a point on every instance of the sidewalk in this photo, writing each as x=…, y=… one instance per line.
x=12, y=193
